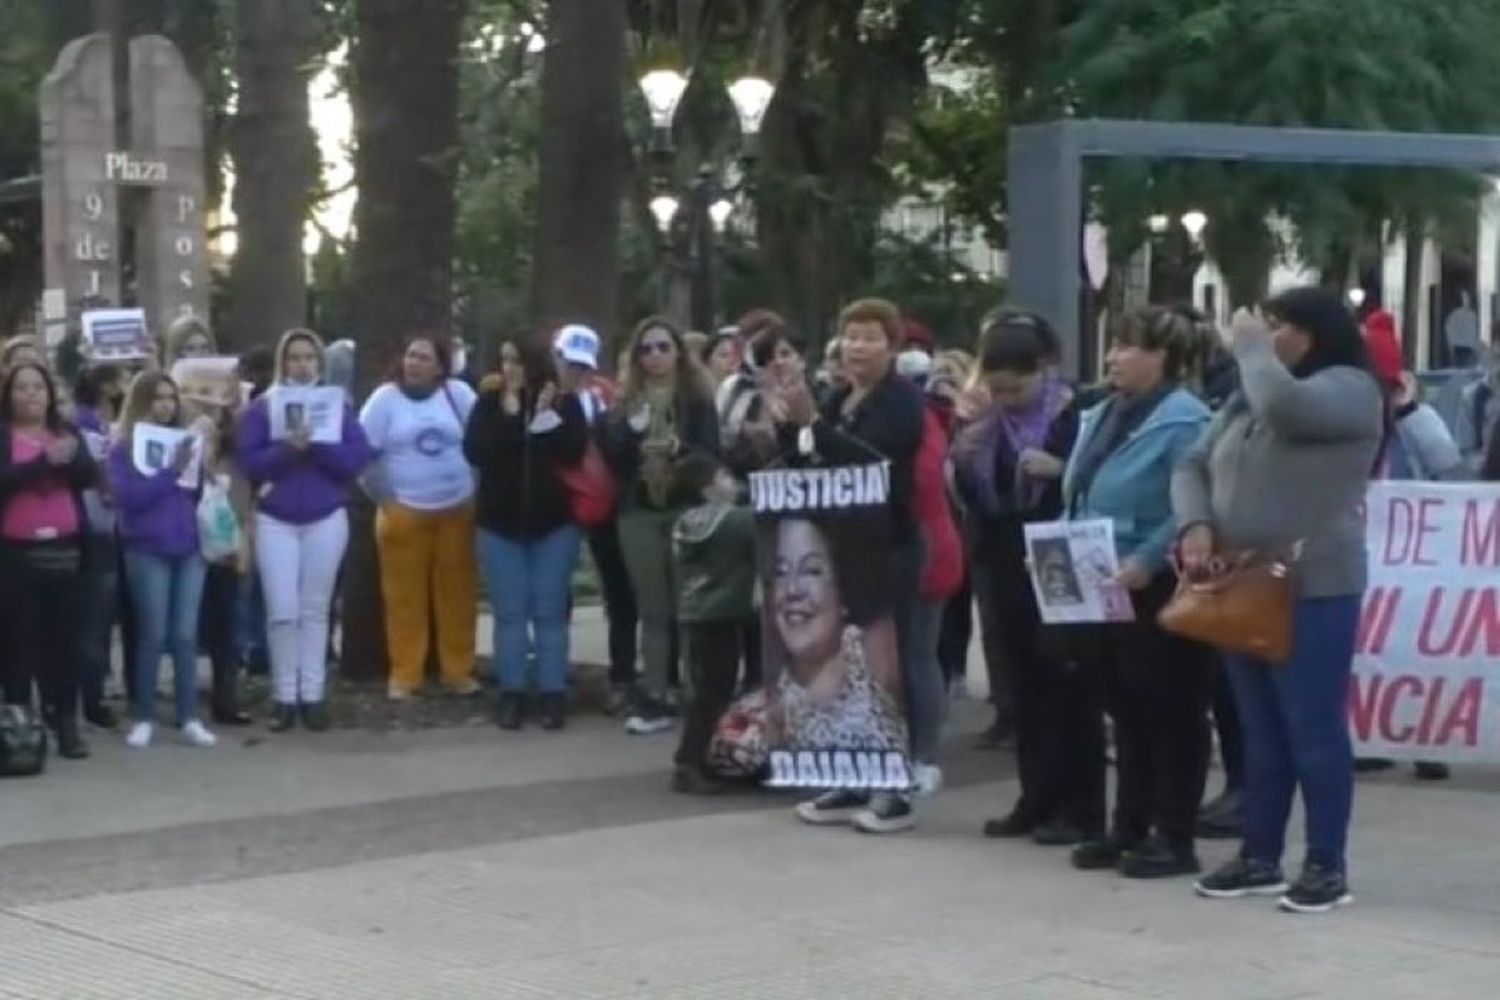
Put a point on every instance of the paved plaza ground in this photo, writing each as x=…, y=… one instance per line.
x=467, y=863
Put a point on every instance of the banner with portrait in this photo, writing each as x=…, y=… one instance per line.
x=834, y=712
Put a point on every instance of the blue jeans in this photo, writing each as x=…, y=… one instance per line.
x=529, y=584
x=1296, y=733
x=166, y=594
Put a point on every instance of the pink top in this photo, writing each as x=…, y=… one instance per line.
x=46, y=510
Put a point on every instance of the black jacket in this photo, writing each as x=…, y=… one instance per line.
x=78, y=475
x=886, y=425
x=697, y=431
x=521, y=496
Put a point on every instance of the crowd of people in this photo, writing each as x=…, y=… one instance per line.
x=1185, y=448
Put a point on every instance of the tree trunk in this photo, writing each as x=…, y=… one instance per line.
x=275, y=166
x=405, y=63
x=581, y=167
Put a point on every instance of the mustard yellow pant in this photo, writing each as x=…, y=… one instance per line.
x=428, y=570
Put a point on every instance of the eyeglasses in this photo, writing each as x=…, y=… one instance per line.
x=655, y=347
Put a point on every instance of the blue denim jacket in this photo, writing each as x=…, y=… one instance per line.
x=1133, y=486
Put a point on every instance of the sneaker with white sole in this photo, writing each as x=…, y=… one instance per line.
x=833, y=808
x=196, y=734
x=1318, y=890
x=139, y=737
x=1242, y=877
x=889, y=812
x=650, y=716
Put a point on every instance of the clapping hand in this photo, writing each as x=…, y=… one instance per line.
x=60, y=451
x=183, y=457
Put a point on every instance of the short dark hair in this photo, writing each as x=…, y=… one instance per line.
x=763, y=346
x=88, y=386
x=1046, y=335
x=1006, y=346
x=1322, y=315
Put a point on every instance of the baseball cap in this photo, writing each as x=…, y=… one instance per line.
x=578, y=345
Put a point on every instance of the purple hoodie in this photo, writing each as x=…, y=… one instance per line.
x=156, y=515
x=299, y=488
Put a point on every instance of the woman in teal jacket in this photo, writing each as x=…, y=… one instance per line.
x=1156, y=686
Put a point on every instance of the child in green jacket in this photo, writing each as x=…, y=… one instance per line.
x=714, y=547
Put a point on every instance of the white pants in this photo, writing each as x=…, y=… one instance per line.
x=299, y=565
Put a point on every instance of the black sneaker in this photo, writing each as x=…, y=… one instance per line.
x=509, y=711
x=1369, y=765
x=1019, y=823
x=650, y=716
x=100, y=716
x=283, y=717
x=1099, y=854
x=1158, y=859
x=696, y=781
x=1242, y=877
x=833, y=808
x=315, y=717
x=1317, y=891
x=888, y=813
x=1431, y=771
x=554, y=711
x=1057, y=833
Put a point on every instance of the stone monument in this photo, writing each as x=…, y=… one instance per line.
x=92, y=181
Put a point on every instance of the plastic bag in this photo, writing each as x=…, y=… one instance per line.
x=219, y=533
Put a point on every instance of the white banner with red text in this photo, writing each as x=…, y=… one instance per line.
x=1426, y=682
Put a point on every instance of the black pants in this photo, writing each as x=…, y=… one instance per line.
x=619, y=602
x=1057, y=702
x=1159, y=689
x=750, y=650
x=217, y=617
x=957, y=631
x=984, y=558
x=1231, y=737
x=43, y=591
x=713, y=665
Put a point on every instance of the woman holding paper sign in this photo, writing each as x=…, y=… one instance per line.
x=425, y=528
x=522, y=431
x=44, y=469
x=1158, y=687
x=1309, y=414
x=158, y=512
x=301, y=527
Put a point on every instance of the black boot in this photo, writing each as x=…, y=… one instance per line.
x=510, y=711
x=554, y=711
x=70, y=745
x=283, y=717
x=226, y=695
x=315, y=717
x=100, y=715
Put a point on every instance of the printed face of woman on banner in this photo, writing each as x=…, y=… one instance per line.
x=805, y=599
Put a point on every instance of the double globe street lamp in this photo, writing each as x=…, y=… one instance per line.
x=691, y=222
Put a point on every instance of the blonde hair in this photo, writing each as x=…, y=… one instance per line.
x=139, y=399
x=178, y=333
x=691, y=380
x=290, y=337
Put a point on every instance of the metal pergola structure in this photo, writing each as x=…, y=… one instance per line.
x=1045, y=186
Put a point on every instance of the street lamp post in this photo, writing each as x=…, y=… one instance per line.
x=693, y=223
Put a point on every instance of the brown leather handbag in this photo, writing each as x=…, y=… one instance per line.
x=1243, y=604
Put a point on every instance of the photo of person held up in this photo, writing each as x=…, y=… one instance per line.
x=833, y=675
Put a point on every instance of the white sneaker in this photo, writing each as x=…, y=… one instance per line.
x=197, y=734
x=927, y=779
x=139, y=737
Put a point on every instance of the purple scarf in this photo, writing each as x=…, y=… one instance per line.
x=1024, y=430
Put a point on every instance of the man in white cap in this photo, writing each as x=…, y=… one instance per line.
x=577, y=350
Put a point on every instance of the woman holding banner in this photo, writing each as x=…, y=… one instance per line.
x=1157, y=687
x=301, y=524
x=151, y=471
x=878, y=416
x=1308, y=412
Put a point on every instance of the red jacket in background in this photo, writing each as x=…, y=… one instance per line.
x=943, y=573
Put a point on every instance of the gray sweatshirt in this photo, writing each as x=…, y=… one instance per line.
x=1287, y=461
